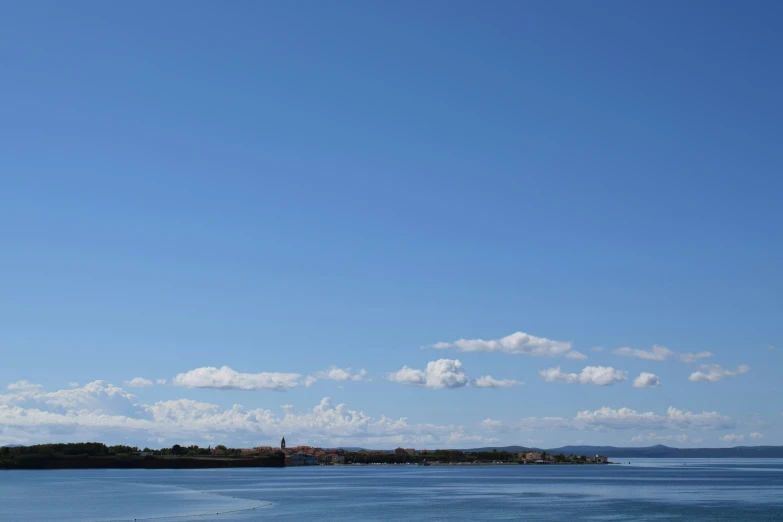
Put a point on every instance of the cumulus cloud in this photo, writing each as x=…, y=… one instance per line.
x=29, y=414
x=527, y=424
x=516, y=343
x=446, y=373
x=715, y=373
x=161, y=382
x=733, y=437
x=626, y=418
x=24, y=387
x=654, y=437
x=661, y=353
x=597, y=375
x=98, y=397
x=443, y=373
x=647, y=380
x=227, y=379
x=606, y=418
x=139, y=382
x=73, y=384
x=337, y=374
x=693, y=357
x=486, y=381
x=756, y=435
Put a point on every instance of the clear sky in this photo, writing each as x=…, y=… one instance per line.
x=431, y=223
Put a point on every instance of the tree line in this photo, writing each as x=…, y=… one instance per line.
x=20, y=454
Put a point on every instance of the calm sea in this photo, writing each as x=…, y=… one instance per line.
x=646, y=489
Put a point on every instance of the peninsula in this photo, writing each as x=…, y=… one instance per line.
x=98, y=455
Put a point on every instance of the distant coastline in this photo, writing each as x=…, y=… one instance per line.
x=658, y=451
x=93, y=455
x=96, y=455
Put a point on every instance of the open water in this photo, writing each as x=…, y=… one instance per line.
x=647, y=489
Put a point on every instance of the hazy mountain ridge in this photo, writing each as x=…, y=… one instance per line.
x=658, y=451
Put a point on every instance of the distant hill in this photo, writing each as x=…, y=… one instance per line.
x=12, y=446
x=510, y=449
x=658, y=451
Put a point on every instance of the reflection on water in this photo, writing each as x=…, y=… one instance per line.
x=646, y=489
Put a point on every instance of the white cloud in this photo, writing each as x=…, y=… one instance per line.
x=99, y=397
x=408, y=376
x=527, y=424
x=770, y=347
x=139, y=382
x=605, y=418
x=73, y=384
x=446, y=373
x=341, y=375
x=310, y=380
x=647, y=380
x=443, y=373
x=660, y=353
x=597, y=375
x=516, y=343
x=756, y=435
x=654, y=437
x=733, y=437
x=693, y=357
x=24, y=387
x=715, y=373
x=30, y=415
x=598, y=348
x=626, y=418
x=486, y=381
x=161, y=382
x=227, y=379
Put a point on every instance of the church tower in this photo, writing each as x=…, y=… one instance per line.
x=282, y=443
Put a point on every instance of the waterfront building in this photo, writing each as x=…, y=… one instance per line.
x=300, y=459
x=533, y=455
x=334, y=458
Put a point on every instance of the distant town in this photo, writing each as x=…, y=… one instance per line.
x=314, y=456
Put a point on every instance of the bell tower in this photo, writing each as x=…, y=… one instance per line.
x=282, y=443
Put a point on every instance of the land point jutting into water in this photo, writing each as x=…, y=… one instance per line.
x=99, y=455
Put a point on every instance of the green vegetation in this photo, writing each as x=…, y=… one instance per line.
x=443, y=456
x=98, y=455
x=455, y=457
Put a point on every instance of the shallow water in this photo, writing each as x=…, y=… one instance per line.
x=647, y=489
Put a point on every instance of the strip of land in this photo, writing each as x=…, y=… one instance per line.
x=97, y=455
x=94, y=455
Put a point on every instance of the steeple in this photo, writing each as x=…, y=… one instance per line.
x=282, y=443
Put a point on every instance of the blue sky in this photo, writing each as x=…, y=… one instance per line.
x=286, y=188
